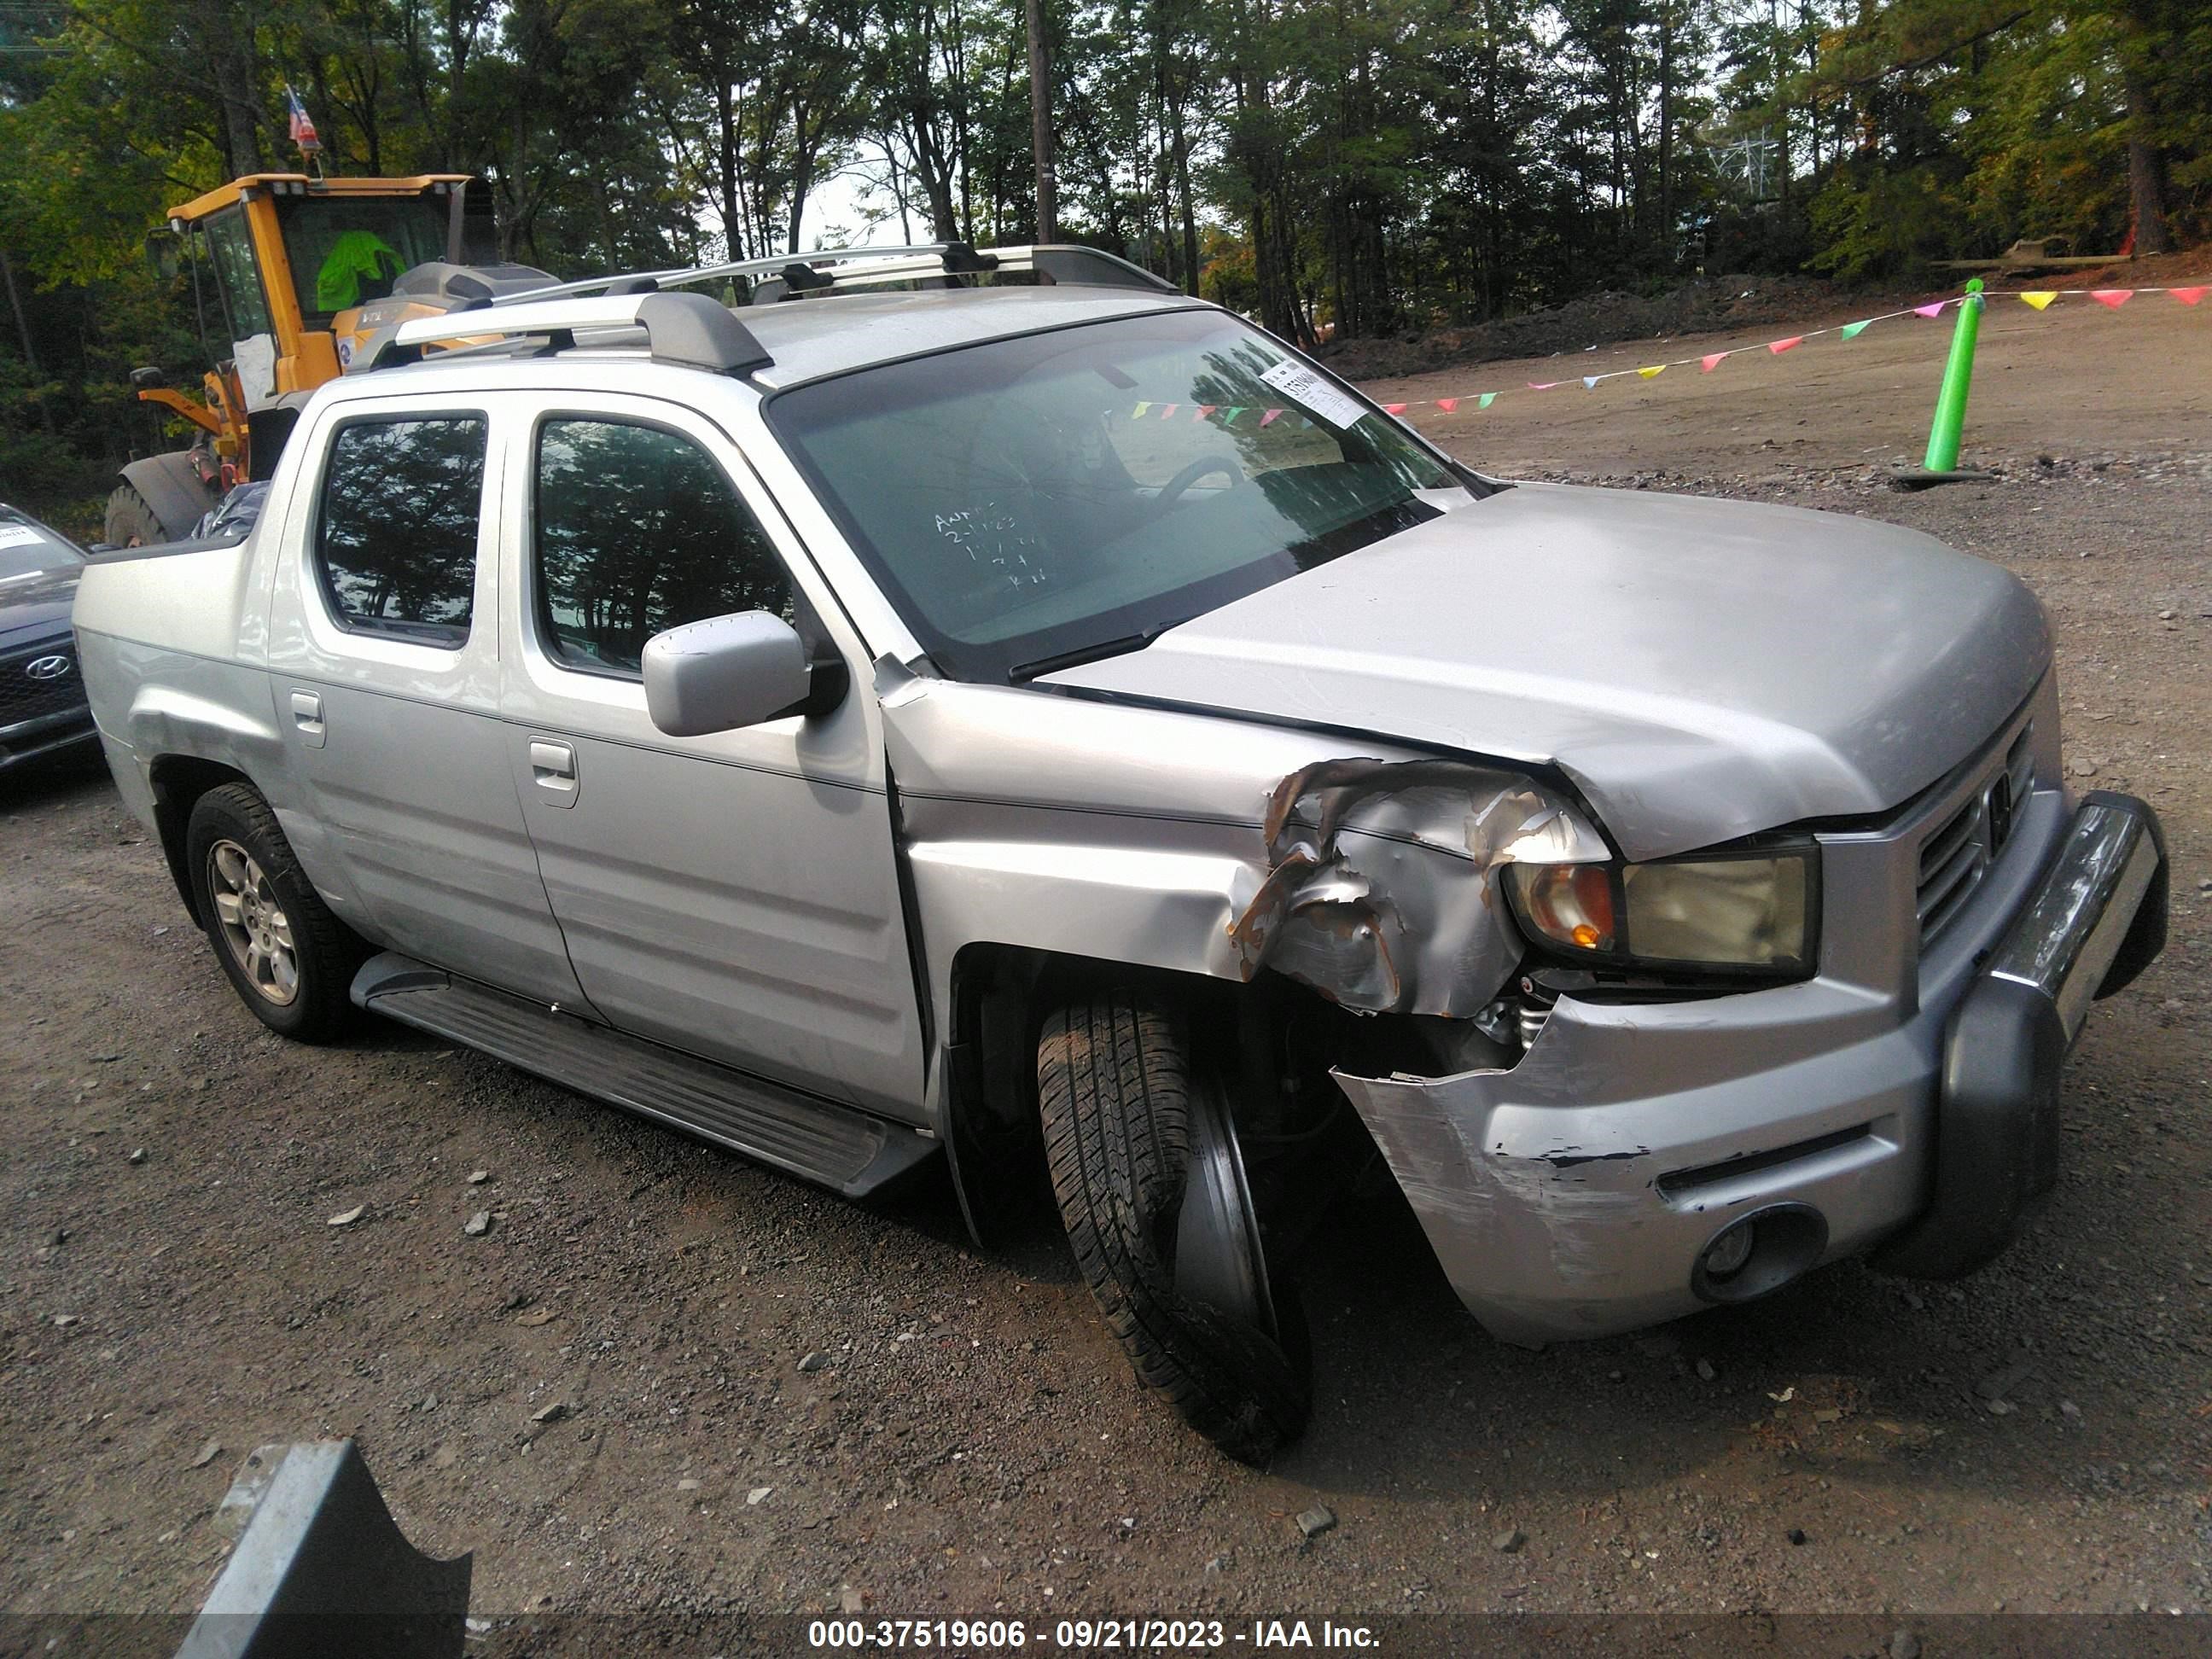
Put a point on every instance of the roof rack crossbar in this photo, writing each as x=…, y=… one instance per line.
x=691, y=330
x=855, y=267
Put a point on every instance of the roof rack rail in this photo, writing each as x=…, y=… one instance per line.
x=792, y=275
x=691, y=330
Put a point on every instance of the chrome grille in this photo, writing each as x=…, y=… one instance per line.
x=1958, y=852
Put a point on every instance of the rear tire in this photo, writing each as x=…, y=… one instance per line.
x=132, y=520
x=1115, y=1085
x=288, y=959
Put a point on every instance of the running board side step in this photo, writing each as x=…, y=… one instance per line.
x=820, y=1140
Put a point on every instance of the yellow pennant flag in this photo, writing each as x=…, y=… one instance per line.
x=1656, y=368
x=2040, y=299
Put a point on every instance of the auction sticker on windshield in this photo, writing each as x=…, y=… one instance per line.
x=1311, y=393
x=16, y=535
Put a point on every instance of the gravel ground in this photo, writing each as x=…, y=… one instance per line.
x=2039, y=1437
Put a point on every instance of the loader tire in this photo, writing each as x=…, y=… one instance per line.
x=1115, y=1084
x=130, y=520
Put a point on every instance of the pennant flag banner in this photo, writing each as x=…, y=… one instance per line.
x=2040, y=299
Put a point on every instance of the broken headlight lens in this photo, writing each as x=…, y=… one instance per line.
x=1753, y=912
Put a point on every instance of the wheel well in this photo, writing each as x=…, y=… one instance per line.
x=1272, y=1039
x=178, y=781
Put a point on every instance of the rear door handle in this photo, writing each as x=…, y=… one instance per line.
x=308, y=716
x=553, y=769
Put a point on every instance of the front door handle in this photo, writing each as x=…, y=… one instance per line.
x=308, y=716
x=553, y=769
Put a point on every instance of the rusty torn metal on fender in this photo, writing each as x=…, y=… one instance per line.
x=1381, y=888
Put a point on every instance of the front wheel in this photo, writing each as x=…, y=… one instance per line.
x=289, y=959
x=1151, y=1184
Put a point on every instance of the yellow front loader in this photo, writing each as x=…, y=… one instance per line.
x=303, y=270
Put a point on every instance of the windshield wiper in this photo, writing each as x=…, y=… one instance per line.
x=1083, y=653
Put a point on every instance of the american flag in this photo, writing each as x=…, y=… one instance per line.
x=303, y=130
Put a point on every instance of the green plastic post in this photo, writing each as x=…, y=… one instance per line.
x=1958, y=376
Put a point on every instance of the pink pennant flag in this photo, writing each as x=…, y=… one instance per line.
x=1269, y=419
x=1544, y=386
x=1394, y=408
x=1167, y=414
x=2114, y=297
x=1710, y=361
x=1934, y=310
x=1778, y=347
x=2189, y=296
x=1204, y=410
x=1447, y=405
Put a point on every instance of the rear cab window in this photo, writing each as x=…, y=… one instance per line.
x=395, y=546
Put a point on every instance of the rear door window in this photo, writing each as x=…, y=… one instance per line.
x=396, y=537
x=637, y=531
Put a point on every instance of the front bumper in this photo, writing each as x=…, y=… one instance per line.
x=48, y=734
x=1574, y=1194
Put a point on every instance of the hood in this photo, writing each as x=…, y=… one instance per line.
x=37, y=604
x=1701, y=670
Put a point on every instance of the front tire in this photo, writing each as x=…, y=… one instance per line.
x=288, y=959
x=1133, y=1139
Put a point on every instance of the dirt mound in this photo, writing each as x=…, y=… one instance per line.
x=1709, y=305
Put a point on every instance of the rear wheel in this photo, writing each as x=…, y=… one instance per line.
x=1151, y=1184
x=288, y=959
x=132, y=520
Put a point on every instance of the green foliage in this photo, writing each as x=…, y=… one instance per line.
x=1336, y=168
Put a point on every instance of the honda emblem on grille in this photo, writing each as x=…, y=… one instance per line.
x=2000, y=814
x=46, y=668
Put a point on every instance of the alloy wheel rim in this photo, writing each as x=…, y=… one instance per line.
x=251, y=920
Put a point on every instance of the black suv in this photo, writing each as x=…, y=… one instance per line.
x=42, y=706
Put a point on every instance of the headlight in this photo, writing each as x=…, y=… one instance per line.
x=1753, y=912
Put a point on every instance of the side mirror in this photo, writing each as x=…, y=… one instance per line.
x=724, y=672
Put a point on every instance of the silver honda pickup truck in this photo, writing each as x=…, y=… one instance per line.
x=989, y=713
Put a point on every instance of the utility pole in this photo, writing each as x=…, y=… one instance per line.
x=1048, y=207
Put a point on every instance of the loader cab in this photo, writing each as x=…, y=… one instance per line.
x=302, y=269
x=291, y=255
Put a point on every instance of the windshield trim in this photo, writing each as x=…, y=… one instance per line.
x=833, y=505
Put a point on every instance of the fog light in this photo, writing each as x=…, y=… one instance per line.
x=1728, y=1252
x=1760, y=1253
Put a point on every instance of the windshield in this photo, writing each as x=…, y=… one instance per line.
x=1051, y=498
x=346, y=251
x=27, y=549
